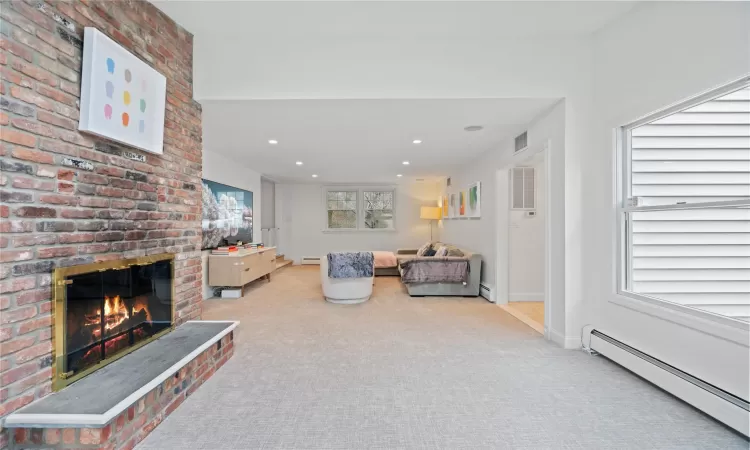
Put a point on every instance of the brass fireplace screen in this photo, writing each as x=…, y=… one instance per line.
x=105, y=310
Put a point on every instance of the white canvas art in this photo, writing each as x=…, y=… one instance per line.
x=122, y=98
x=474, y=200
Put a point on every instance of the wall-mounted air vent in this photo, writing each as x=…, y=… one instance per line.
x=522, y=141
x=310, y=260
x=523, y=188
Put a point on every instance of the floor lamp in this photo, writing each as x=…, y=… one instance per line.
x=430, y=213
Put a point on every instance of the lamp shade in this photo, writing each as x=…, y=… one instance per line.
x=430, y=213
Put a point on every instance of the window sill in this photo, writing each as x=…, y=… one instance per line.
x=715, y=325
x=358, y=230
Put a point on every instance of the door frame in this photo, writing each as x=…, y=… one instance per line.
x=502, y=194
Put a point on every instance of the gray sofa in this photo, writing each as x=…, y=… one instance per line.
x=470, y=289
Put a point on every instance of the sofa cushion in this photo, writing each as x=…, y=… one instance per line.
x=442, y=251
x=423, y=249
x=454, y=251
x=430, y=252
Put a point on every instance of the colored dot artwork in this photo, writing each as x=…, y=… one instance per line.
x=110, y=88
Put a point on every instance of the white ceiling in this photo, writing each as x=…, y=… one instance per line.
x=346, y=141
x=278, y=19
x=269, y=70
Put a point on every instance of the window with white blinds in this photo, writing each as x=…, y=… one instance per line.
x=685, y=213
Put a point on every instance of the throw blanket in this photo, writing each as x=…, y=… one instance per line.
x=384, y=259
x=435, y=270
x=350, y=265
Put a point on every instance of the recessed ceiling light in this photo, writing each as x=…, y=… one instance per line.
x=273, y=141
x=406, y=163
x=416, y=141
x=315, y=175
x=299, y=163
x=473, y=128
x=399, y=175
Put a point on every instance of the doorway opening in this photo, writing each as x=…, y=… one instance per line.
x=523, y=237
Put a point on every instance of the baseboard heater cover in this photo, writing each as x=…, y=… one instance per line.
x=716, y=402
x=486, y=292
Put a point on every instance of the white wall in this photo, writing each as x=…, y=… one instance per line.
x=481, y=235
x=221, y=169
x=448, y=67
x=526, y=244
x=657, y=55
x=303, y=220
x=268, y=200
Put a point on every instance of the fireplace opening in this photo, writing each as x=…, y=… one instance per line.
x=105, y=312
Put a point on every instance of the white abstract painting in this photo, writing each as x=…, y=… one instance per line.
x=122, y=98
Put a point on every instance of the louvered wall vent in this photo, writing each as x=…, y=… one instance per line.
x=523, y=188
x=522, y=141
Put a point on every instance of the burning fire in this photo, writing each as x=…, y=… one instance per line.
x=116, y=312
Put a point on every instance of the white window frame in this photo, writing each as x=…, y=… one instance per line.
x=711, y=323
x=360, y=189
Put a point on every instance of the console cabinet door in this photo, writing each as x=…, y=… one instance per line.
x=250, y=271
x=224, y=271
x=269, y=260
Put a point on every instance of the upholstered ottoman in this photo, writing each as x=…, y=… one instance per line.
x=344, y=290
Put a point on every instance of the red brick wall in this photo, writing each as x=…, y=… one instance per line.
x=54, y=215
x=130, y=427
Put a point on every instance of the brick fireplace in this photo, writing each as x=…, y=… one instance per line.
x=68, y=198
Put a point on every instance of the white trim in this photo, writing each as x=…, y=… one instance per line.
x=502, y=228
x=703, y=97
x=714, y=324
x=567, y=342
x=719, y=326
x=502, y=253
x=702, y=399
x=21, y=420
x=683, y=206
x=526, y=296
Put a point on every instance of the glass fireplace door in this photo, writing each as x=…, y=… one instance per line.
x=108, y=311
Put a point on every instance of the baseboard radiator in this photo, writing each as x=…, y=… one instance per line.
x=721, y=405
x=485, y=291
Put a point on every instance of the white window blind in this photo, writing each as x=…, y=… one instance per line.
x=686, y=210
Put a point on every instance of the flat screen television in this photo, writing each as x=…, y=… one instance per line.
x=227, y=215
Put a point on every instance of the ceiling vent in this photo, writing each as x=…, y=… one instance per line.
x=522, y=141
x=523, y=188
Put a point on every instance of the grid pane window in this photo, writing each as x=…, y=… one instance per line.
x=686, y=206
x=342, y=209
x=378, y=209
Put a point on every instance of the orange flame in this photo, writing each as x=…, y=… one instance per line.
x=116, y=312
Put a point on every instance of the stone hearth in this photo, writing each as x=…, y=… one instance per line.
x=117, y=406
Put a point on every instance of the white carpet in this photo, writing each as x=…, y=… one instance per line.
x=415, y=373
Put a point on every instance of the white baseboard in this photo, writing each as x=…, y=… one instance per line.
x=568, y=342
x=683, y=388
x=526, y=296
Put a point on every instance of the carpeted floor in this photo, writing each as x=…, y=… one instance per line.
x=415, y=373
